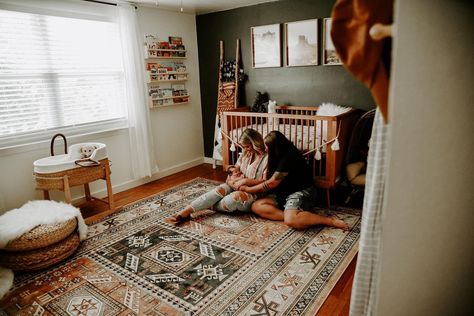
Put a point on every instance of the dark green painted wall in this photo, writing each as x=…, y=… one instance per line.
x=306, y=86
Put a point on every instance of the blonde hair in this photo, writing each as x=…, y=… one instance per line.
x=254, y=138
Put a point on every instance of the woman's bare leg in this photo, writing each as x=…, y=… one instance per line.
x=235, y=201
x=302, y=219
x=267, y=208
x=203, y=202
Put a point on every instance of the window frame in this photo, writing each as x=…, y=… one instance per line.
x=29, y=140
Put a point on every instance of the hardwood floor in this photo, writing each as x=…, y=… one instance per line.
x=337, y=303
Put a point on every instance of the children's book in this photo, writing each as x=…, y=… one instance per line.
x=175, y=40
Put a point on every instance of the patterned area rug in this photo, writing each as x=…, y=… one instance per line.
x=133, y=263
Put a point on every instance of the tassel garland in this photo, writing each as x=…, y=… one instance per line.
x=232, y=147
x=317, y=155
x=335, y=145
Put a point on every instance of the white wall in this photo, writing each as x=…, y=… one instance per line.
x=428, y=233
x=177, y=131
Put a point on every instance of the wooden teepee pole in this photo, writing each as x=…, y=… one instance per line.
x=221, y=62
x=237, y=70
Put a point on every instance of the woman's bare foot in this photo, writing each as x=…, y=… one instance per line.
x=181, y=217
x=339, y=223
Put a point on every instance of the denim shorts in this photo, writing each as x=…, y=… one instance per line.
x=300, y=200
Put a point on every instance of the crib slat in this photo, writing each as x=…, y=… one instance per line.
x=239, y=131
x=290, y=127
x=321, y=122
x=232, y=128
x=241, y=126
x=314, y=147
x=295, y=125
x=307, y=128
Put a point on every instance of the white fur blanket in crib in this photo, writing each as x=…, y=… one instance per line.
x=16, y=222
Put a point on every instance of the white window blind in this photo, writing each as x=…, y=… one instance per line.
x=57, y=73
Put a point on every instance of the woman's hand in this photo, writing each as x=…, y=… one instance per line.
x=231, y=183
x=244, y=188
x=233, y=180
x=240, y=182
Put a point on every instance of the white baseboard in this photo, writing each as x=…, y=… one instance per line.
x=212, y=161
x=136, y=182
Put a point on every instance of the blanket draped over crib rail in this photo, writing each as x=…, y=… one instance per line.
x=230, y=73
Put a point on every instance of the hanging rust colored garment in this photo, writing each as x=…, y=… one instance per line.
x=367, y=59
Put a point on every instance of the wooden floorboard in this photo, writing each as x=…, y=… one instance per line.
x=337, y=303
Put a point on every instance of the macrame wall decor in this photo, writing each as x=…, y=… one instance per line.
x=231, y=75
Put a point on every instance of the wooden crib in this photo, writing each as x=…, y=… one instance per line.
x=304, y=128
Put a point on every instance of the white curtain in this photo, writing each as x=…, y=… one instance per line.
x=366, y=278
x=141, y=141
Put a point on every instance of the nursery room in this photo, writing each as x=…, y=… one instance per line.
x=247, y=157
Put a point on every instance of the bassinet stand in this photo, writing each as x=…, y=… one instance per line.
x=64, y=180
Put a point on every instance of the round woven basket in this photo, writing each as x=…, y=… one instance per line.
x=76, y=176
x=41, y=258
x=42, y=236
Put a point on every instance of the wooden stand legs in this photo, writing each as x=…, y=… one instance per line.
x=110, y=195
x=87, y=191
x=46, y=195
x=67, y=189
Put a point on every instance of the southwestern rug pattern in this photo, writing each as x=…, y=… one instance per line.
x=133, y=263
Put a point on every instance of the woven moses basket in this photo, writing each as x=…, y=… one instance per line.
x=61, y=172
x=41, y=247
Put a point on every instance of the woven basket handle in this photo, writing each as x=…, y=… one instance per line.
x=52, y=143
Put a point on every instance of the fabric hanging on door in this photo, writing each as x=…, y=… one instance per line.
x=364, y=288
x=369, y=62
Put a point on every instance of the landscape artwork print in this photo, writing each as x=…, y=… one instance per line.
x=266, y=46
x=329, y=51
x=302, y=43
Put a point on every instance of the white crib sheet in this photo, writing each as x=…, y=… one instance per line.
x=306, y=138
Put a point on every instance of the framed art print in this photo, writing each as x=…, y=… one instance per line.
x=329, y=51
x=266, y=50
x=302, y=43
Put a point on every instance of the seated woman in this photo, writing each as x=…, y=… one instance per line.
x=290, y=187
x=250, y=170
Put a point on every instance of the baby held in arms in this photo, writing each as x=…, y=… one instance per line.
x=235, y=174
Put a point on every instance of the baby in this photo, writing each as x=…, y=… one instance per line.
x=234, y=176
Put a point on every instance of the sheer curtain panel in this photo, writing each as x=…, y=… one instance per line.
x=141, y=140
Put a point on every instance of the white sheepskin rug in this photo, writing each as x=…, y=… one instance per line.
x=16, y=222
x=331, y=109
